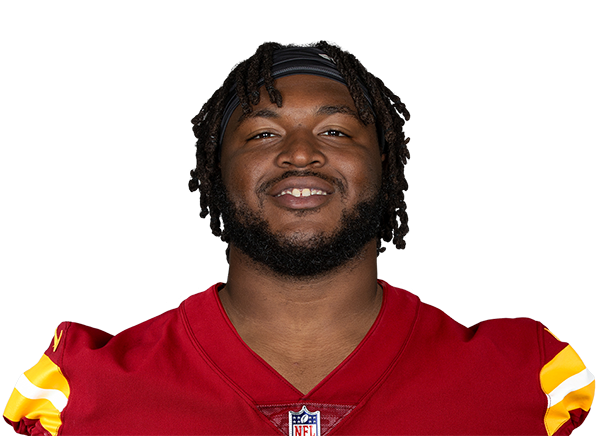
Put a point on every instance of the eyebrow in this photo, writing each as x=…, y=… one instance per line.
x=323, y=110
x=338, y=109
x=263, y=113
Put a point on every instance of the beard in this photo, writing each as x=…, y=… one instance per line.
x=295, y=256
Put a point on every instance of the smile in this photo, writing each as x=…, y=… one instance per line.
x=301, y=192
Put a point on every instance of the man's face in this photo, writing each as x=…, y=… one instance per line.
x=304, y=171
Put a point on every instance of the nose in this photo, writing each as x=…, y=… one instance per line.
x=301, y=149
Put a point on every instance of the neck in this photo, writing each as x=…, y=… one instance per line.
x=253, y=291
x=280, y=318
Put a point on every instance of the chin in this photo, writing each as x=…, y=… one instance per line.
x=304, y=237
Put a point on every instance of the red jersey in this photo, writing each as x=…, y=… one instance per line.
x=416, y=372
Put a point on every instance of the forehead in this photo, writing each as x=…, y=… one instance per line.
x=299, y=92
x=307, y=86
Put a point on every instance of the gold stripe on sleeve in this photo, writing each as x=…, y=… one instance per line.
x=568, y=386
x=47, y=375
x=558, y=414
x=41, y=393
x=564, y=365
x=20, y=407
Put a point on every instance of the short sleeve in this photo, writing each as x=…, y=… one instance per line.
x=40, y=395
x=568, y=385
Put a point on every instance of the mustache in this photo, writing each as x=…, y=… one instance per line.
x=264, y=187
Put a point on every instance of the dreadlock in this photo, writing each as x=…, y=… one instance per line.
x=247, y=77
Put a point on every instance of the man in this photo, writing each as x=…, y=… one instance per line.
x=300, y=164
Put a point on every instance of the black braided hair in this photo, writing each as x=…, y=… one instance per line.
x=390, y=116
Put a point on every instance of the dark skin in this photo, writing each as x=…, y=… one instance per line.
x=303, y=328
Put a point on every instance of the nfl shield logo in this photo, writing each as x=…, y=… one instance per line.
x=305, y=423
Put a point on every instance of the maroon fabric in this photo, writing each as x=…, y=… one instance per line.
x=577, y=418
x=28, y=426
x=416, y=372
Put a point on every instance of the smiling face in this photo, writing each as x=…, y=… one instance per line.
x=304, y=171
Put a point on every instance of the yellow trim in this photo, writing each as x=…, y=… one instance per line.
x=20, y=407
x=558, y=414
x=564, y=365
x=56, y=340
x=6, y=393
x=47, y=375
x=28, y=330
x=44, y=375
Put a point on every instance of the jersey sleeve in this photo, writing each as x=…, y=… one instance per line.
x=568, y=385
x=41, y=394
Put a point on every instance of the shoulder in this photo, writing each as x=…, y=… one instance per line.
x=81, y=363
x=517, y=359
x=73, y=341
x=434, y=326
x=504, y=335
x=165, y=330
x=437, y=340
x=70, y=335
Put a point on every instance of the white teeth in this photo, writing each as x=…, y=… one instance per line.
x=302, y=192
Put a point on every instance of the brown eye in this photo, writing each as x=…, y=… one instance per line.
x=262, y=135
x=333, y=132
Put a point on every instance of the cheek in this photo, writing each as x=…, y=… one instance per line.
x=363, y=173
x=230, y=168
x=241, y=176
